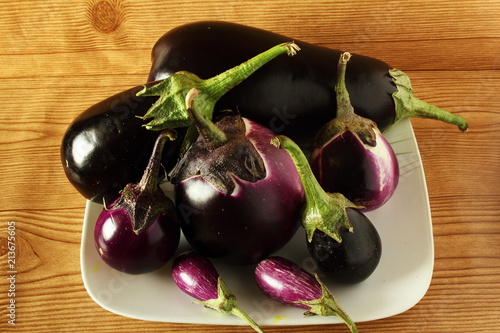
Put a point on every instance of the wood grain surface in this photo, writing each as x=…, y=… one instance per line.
x=57, y=58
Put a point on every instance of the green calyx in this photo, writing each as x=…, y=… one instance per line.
x=328, y=305
x=169, y=110
x=408, y=106
x=345, y=119
x=226, y=303
x=322, y=211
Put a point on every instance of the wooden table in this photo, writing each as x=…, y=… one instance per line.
x=59, y=57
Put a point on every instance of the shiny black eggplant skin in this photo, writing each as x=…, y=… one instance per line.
x=291, y=96
x=106, y=146
x=353, y=260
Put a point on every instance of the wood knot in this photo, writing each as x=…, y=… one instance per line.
x=105, y=15
x=4, y=248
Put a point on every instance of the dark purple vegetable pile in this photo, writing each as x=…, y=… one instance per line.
x=258, y=146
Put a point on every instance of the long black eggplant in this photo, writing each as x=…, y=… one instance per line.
x=291, y=96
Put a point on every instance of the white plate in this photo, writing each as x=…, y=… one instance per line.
x=399, y=282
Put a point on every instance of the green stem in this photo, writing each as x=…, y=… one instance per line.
x=346, y=119
x=328, y=305
x=408, y=106
x=226, y=303
x=322, y=211
x=169, y=110
x=213, y=135
x=218, y=85
x=344, y=107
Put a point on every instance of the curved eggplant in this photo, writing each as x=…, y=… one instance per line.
x=292, y=96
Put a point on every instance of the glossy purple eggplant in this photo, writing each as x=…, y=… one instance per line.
x=107, y=146
x=341, y=238
x=238, y=197
x=351, y=156
x=288, y=283
x=292, y=96
x=196, y=276
x=139, y=232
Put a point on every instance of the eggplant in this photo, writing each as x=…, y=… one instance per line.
x=351, y=156
x=288, y=283
x=107, y=146
x=355, y=258
x=291, y=96
x=196, y=276
x=342, y=240
x=139, y=231
x=238, y=197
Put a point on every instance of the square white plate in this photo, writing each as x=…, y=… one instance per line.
x=399, y=282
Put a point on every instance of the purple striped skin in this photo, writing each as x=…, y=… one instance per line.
x=286, y=282
x=196, y=276
x=351, y=156
x=366, y=175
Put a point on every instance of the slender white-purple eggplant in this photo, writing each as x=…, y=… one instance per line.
x=139, y=231
x=351, y=156
x=238, y=197
x=287, y=283
x=196, y=276
x=342, y=240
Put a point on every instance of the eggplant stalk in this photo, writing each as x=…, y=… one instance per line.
x=226, y=303
x=169, y=110
x=321, y=211
x=346, y=119
x=408, y=105
x=145, y=200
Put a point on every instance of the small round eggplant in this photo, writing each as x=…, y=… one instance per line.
x=238, y=197
x=351, y=156
x=139, y=232
x=286, y=282
x=355, y=258
x=196, y=276
x=350, y=239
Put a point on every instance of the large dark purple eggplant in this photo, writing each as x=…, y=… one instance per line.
x=108, y=145
x=292, y=96
x=238, y=196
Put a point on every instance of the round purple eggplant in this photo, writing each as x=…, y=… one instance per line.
x=351, y=156
x=196, y=276
x=338, y=233
x=139, y=231
x=238, y=197
x=288, y=283
x=124, y=250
